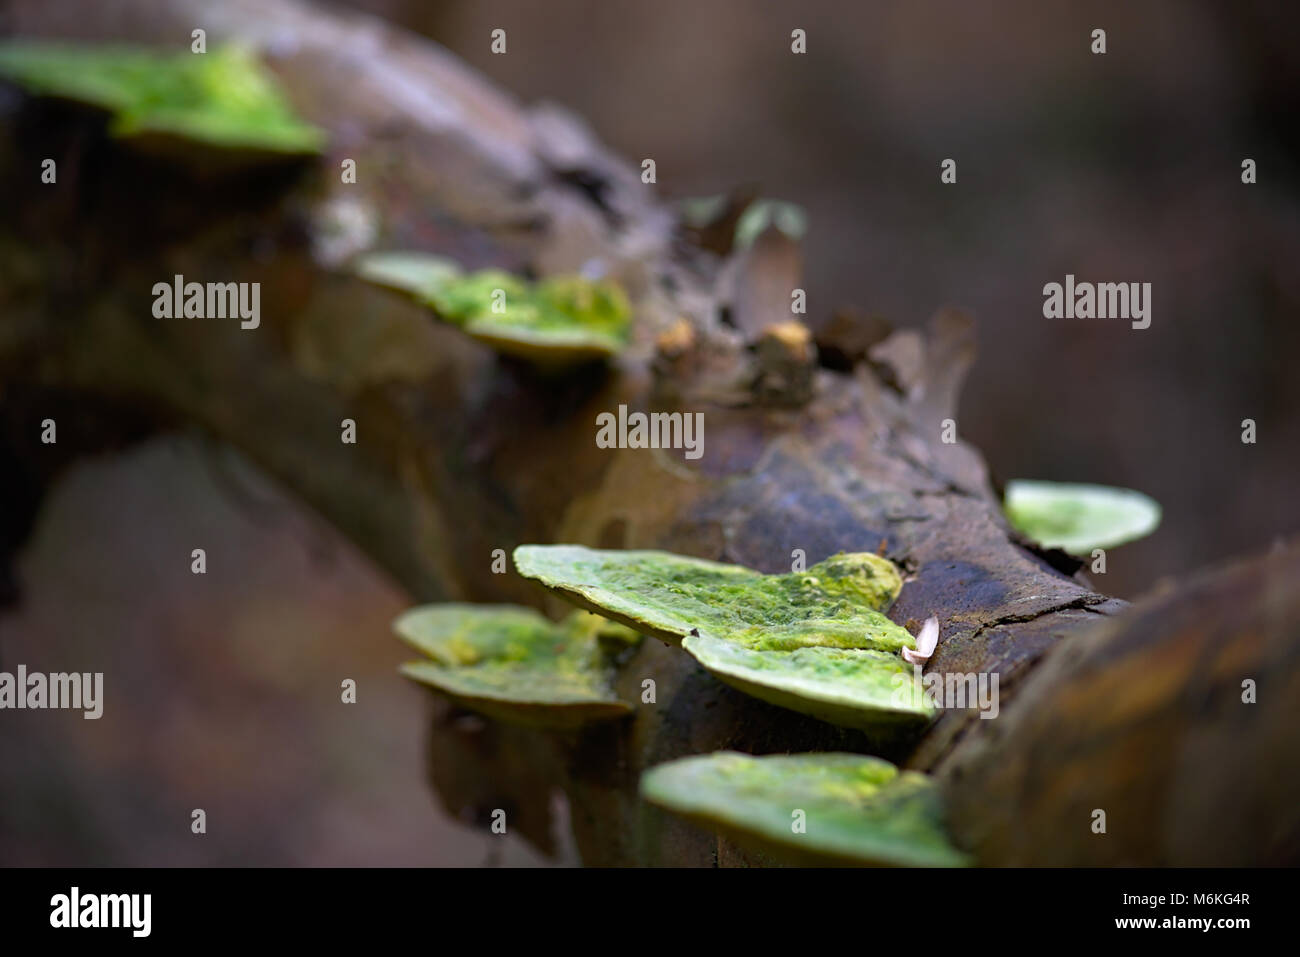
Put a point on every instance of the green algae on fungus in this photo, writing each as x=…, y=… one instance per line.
x=223, y=98
x=561, y=319
x=866, y=689
x=816, y=642
x=856, y=810
x=1078, y=518
x=837, y=603
x=513, y=664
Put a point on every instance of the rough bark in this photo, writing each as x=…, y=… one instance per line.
x=460, y=452
x=1176, y=719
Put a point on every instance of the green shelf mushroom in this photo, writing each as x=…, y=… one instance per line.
x=836, y=809
x=419, y=274
x=513, y=664
x=866, y=689
x=817, y=642
x=560, y=320
x=223, y=98
x=838, y=602
x=1078, y=518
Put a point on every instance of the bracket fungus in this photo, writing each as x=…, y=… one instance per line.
x=223, y=98
x=1078, y=518
x=419, y=274
x=513, y=664
x=817, y=642
x=866, y=689
x=833, y=808
x=560, y=320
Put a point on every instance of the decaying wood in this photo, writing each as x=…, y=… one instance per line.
x=1176, y=719
x=460, y=452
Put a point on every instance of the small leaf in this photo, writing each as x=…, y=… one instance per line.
x=787, y=217
x=700, y=211
x=856, y=809
x=1079, y=518
x=224, y=98
x=513, y=664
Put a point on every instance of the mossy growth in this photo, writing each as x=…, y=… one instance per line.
x=819, y=809
x=817, y=642
x=223, y=98
x=867, y=689
x=1079, y=518
x=835, y=603
x=560, y=320
x=513, y=664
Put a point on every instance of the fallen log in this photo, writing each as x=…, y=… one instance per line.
x=461, y=454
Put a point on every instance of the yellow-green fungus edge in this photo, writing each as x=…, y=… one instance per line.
x=810, y=809
x=1079, y=518
x=816, y=642
x=512, y=664
x=559, y=320
x=223, y=98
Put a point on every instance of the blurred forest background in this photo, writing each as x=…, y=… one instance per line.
x=1123, y=167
